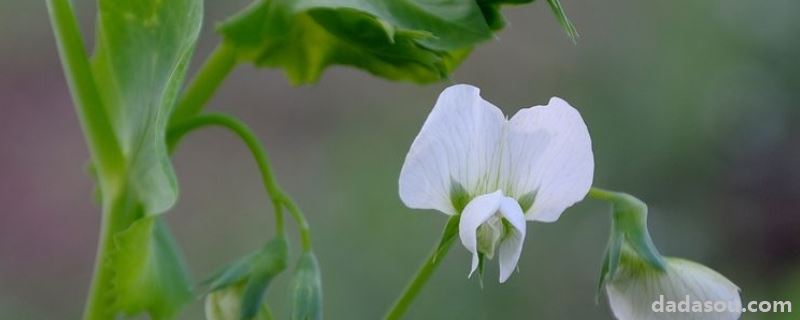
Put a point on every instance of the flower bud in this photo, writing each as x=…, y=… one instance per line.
x=306, y=289
x=684, y=290
x=237, y=292
x=489, y=235
x=226, y=304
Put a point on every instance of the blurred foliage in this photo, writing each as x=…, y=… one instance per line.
x=412, y=40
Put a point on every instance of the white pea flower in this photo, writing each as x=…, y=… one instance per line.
x=685, y=290
x=497, y=173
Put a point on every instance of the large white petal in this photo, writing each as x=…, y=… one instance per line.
x=458, y=142
x=632, y=293
x=476, y=213
x=549, y=153
x=511, y=246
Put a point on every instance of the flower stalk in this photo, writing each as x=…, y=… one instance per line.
x=425, y=271
x=279, y=198
x=202, y=88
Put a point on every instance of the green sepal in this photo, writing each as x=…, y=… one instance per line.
x=149, y=274
x=526, y=201
x=448, y=236
x=459, y=196
x=306, y=289
x=230, y=275
x=254, y=274
x=226, y=304
x=630, y=220
x=628, y=233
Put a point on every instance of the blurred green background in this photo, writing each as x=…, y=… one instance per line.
x=692, y=106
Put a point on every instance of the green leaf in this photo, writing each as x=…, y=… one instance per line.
x=149, y=273
x=491, y=11
x=306, y=289
x=415, y=40
x=143, y=48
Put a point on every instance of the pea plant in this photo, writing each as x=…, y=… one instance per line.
x=488, y=173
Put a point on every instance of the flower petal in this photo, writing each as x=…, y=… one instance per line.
x=635, y=292
x=548, y=155
x=458, y=142
x=476, y=213
x=511, y=246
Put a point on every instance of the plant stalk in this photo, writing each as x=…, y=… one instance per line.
x=205, y=84
x=100, y=137
x=116, y=217
x=278, y=197
x=103, y=147
x=420, y=278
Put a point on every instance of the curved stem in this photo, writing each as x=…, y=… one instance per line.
x=278, y=197
x=300, y=219
x=423, y=274
x=602, y=194
x=208, y=79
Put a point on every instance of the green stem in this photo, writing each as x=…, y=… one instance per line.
x=114, y=220
x=302, y=224
x=211, y=75
x=100, y=136
x=278, y=197
x=105, y=151
x=421, y=277
x=602, y=194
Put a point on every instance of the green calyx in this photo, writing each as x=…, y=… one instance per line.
x=306, y=289
x=629, y=241
x=249, y=278
x=459, y=197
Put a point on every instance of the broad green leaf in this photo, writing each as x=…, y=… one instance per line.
x=142, y=50
x=149, y=273
x=416, y=40
x=413, y=40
